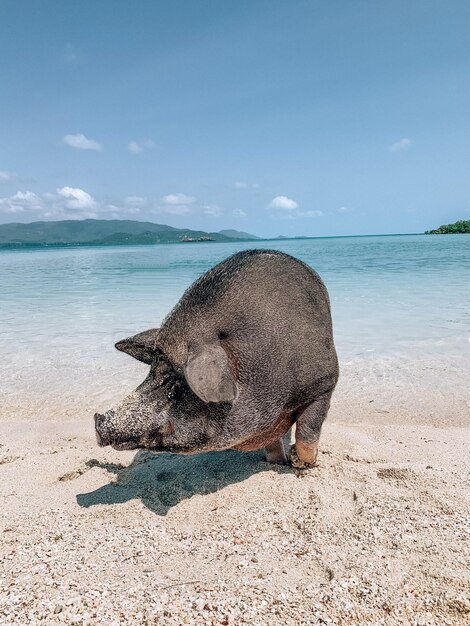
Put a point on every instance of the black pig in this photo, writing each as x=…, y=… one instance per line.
x=246, y=353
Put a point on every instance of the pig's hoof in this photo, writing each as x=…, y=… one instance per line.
x=297, y=462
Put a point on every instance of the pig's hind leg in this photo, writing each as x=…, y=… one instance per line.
x=275, y=453
x=307, y=432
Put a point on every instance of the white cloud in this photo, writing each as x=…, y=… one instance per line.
x=283, y=203
x=135, y=201
x=81, y=142
x=75, y=203
x=282, y=216
x=6, y=177
x=177, y=203
x=214, y=210
x=309, y=214
x=26, y=196
x=65, y=203
x=21, y=201
x=402, y=144
x=76, y=198
x=242, y=185
x=178, y=198
x=288, y=209
x=239, y=213
x=136, y=146
x=344, y=209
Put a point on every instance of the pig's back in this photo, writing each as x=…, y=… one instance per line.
x=272, y=314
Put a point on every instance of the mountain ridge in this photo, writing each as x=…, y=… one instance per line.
x=237, y=234
x=105, y=232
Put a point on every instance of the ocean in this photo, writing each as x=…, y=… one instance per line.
x=400, y=307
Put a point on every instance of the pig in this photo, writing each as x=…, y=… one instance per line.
x=244, y=355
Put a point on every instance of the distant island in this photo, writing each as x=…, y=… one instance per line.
x=462, y=226
x=93, y=232
x=237, y=234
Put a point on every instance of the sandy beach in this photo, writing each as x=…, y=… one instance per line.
x=378, y=533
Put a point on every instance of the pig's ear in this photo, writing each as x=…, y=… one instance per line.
x=208, y=374
x=141, y=346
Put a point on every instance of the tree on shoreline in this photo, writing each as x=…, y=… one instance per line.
x=462, y=226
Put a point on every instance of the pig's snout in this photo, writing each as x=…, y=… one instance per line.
x=101, y=429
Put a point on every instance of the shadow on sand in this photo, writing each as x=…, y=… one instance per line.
x=163, y=480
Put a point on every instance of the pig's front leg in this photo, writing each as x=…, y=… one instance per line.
x=275, y=453
x=307, y=432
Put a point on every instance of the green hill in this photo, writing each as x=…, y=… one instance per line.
x=102, y=232
x=237, y=234
x=462, y=226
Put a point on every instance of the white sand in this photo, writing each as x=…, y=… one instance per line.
x=378, y=533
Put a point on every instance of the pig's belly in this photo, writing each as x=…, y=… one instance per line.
x=265, y=437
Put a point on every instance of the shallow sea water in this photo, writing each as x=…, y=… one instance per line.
x=400, y=305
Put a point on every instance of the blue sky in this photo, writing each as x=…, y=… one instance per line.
x=276, y=117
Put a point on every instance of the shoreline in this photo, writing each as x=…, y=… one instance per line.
x=374, y=390
x=13, y=247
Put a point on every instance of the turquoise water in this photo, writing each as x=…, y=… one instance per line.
x=401, y=312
